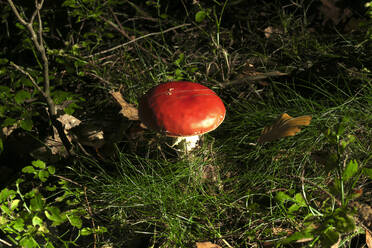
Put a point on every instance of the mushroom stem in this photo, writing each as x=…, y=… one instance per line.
x=189, y=142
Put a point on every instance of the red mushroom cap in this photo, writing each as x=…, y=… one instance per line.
x=181, y=109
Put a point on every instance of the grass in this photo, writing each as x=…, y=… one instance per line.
x=225, y=191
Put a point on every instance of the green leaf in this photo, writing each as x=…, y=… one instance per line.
x=19, y=224
x=51, y=170
x=37, y=221
x=51, y=188
x=200, y=16
x=39, y=164
x=3, y=61
x=1, y=146
x=282, y=197
x=8, y=122
x=86, y=231
x=343, y=221
x=26, y=124
x=329, y=238
x=28, y=169
x=37, y=203
x=298, y=236
x=3, y=220
x=75, y=220
x=368, y=172
x=55, y=215
x=300, y=199
x=43, y=175
x=21, y=96
x=14, y=204
x=350, y=170
x=28, y=242
x=293, y=208
x=5, y=193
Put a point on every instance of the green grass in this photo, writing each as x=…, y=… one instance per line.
x=172, y=204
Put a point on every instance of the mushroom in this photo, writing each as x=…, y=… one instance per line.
x=184, y=110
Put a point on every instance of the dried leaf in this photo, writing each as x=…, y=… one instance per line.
x=127, y=110
x=368, y=239
x=206, y=245
x=333, y=13
x=284, y=126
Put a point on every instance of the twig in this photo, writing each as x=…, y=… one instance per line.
x=5, y=243
x=136, y=39
x=17, y=67
x=91, y=216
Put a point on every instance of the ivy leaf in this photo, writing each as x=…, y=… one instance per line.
x=21, y=96
x=284, y=126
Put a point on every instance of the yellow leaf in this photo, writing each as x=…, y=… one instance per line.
x=368, y=239
x=127, y=110
x=206, y=245
x=284, y=126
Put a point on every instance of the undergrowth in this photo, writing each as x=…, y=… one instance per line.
x=230, y=191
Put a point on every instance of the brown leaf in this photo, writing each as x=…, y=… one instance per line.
x=206, y=245
x=368, y=239
x=127, y=110
x=284, y=126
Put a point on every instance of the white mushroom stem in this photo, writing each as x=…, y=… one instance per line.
x=190, y=142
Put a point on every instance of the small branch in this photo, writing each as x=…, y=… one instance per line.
x=91, y=216
x=137, y=39
x=5, y=243
x=17, y=67
x=19, y=17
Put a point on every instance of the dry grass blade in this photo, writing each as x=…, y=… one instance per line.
x=127, y=110
x=284, y=126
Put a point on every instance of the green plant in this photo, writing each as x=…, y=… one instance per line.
x=43, y=212
x=334, y=217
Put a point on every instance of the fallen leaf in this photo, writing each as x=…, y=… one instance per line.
x=333, y=13
x=284, y=126
x=368, y=239
x=206, y=245
x=127, y=110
